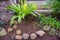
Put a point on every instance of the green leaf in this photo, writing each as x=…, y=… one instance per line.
x=19, y=18
x=12, y=19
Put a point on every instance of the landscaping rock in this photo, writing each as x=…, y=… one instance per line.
x=38, y=25
x=10, y=29
x=3, y=32
x=15, y=22
x=25, y=36
x=52, y=32
x=15, y=26
x=33, y=36
x=40, y=33
x=57, y=33
x=46, y=28
x=18, y=37
x=18, y=32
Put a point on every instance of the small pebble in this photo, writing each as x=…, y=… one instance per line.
x=10, y=29
x=15, y=22
x=18, y=32
x=18, y=37
x=33, y=36
x=25, y=36
x=15, y=26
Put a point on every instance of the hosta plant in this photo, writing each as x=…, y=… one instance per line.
x=21, y=10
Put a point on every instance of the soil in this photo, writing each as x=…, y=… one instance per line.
x=28, y=25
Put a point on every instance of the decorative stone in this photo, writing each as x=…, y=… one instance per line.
x=15, y=26
x=33, y=36
x=15, y=22
x=38, y=25
x=34, y=27
x=59, y=34
x=18, y=37
x=52, y=32
x=40, y=33
x=18, y=32
x=46, y=28
x=10, y=29
x=13, y=37
x=25, y=36
x=3, y=32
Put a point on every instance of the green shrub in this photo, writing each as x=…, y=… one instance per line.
x=55, y=6
x=47, y=20
x=21, y=10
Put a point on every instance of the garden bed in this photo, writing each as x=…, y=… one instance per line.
x=29, y=25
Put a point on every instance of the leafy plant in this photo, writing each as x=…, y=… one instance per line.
x=55, y=6
x=21, y=10
x=47, y=20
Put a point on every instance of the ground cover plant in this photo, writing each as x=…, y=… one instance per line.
x=47, y=20
x=55, y=6
x=34, y=27
x=21, y=10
